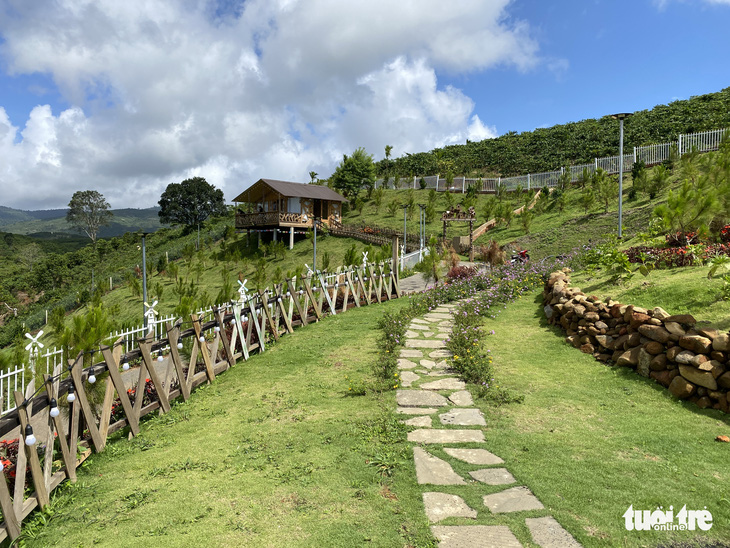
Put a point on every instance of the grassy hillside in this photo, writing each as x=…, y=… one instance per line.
x=574, y=143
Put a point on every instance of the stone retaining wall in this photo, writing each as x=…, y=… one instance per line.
x=689, y=360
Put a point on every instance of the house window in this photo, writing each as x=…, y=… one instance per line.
x=294, y=206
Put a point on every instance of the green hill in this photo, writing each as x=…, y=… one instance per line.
x=574, y=143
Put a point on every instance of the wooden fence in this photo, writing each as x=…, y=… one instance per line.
x=237, y=330
x=375, y=235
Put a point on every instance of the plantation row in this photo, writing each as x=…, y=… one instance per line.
x=567, y=144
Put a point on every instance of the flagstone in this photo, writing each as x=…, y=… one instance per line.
x=440, y=354
x=419, y=327
x=419, y=320
x=515, y=499
x=420, y=398
x=436, y=316
x=420, y=422
x=475, y=536
x=449, y=383
x=463, y=417
x=492, y=476
x=440, y=506
x=473, y=456
x=410, y=353
x=406, y=364
x=547, y=533
x=420, y=411
x=446, y=436
x=412, y=334
x=407, y=378
x=433, y=470
x=428, y=364
x=425, y=343
x=462, y=398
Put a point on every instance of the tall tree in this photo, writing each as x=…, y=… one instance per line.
x=190, y=202
x=353, y=173
x=313, y=176
x=88, y=211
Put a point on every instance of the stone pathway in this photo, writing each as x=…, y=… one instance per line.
x=441, y=412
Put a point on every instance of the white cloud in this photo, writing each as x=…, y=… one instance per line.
x=164, y=90
x=662, y=4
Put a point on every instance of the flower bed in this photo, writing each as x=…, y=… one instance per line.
x=670, y=257
x=482, y=293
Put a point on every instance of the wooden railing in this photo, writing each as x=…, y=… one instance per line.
x=235, y=332
x=276, y=218
x=374, y=235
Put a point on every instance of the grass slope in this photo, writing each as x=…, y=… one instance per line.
x=685, y=290
x=591, y=440
x=272, y=454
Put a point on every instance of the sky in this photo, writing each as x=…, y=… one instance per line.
x=128, y=97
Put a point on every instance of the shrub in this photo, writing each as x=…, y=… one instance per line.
x=460, y=273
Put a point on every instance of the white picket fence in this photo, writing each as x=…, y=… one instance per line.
x=704, y=141
x=9, y=382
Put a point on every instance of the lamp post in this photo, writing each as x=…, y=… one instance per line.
x=620, y=117
x=405, y=211
x=314, y=258
x=144, y=280
x=422, y=229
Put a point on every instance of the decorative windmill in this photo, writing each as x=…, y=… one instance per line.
x=364, y=259
x=242, y=291
x=150, y=312
x=33, y=347
x=309, y=270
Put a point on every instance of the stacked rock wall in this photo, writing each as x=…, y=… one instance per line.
x=691, y=361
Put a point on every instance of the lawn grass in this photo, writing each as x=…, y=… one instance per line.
x=274, y=453
x=590, y=440
x=682, y=290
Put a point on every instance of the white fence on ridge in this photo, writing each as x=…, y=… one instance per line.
x=704, y=141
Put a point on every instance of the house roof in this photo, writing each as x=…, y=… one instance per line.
x=288, y=189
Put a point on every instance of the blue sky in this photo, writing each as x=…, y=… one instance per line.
x=125, y=98
x=617, y=56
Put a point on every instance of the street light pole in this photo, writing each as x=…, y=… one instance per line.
x=314, y=259
x=422, y=224
x=144, y=281
x=405, y=210
x=620, y=117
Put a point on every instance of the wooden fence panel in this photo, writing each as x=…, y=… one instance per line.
x=278, y=315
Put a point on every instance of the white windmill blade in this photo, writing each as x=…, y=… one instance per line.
x=309, y=270
x=34, y=345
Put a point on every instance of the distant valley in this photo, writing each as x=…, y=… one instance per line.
x=47, y=223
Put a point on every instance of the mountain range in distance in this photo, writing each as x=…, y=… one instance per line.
x=53, y=221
